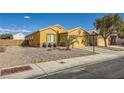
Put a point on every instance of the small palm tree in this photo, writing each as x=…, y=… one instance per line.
x=85, y=39
x=70, y=41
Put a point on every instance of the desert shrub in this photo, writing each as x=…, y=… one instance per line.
x=44, y=45
x=25, y=43
x=70, y=41
x=54, y=45
x=49, y=45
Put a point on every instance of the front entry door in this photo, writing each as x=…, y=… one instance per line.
x=113, y=40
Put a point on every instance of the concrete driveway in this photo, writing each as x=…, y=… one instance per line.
x=102, y=50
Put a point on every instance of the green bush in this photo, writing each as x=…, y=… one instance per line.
x=6, y=36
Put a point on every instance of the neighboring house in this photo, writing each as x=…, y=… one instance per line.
x=119, y=41
x=55, y=34
x=113, y=39
x=19, y=36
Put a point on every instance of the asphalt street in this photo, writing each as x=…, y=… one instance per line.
x=113, y=69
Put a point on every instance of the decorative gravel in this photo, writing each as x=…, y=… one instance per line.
x=15, y=55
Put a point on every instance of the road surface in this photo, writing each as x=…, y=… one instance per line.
x=113, y=69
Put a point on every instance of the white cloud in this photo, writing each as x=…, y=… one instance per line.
x=3, y=31
x=27, y=17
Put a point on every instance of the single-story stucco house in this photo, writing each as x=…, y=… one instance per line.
x=57, y=34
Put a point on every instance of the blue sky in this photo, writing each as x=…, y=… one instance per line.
x=30, y=22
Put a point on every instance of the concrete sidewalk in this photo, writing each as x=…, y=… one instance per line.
x=52, y=67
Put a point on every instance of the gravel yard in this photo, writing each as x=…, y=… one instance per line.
x=15, y=55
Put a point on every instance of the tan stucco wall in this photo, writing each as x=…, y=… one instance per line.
x=58, y=28
x=43, y=35
x=8, y=42
x=34, y=39
x=76, y=32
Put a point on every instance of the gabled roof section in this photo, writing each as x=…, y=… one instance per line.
x=45, y=29
x=51, y=27
x=32, y=33
x=71, y=30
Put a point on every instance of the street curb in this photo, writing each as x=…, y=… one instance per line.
x=83, y=65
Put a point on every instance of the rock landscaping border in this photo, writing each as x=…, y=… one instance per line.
x=15, y=70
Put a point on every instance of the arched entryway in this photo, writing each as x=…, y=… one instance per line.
x=113, y=40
